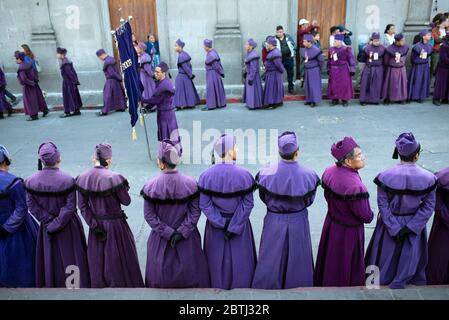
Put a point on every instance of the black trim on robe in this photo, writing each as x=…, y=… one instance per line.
x=5, y=193
x=169, y=201
x=409, y=192
x=51, y=194
x=443, y=191
x=287, y=197
x=349, y=197
x=230, y=194
x=105, y=193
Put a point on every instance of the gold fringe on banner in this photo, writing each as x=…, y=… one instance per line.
x=141, y=120
x=134, y=134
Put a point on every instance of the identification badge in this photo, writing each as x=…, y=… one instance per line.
x=376, y=56
x=335, y=57
x=424, y=55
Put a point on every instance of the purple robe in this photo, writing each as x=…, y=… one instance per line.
x=113, y=263
x=419, y=78
x=395, y=78
x=186, y=95
x=441, y=91
x=340, y=261
x=215, y=92
x=172, y=205
x=312, y=74
x=4, y=104
x=227, y=201
x=273, y=94
x=372, y=75
x=33, y=99
x=438, y=267
x=253, y=91
x=406, y=198
x=70, y=94
x=285, y=256
x=51, y=199
x=113, y=91
x=340, y=81
x=146, y=76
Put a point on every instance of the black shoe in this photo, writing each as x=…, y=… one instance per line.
x=2, y=116
x=313, y=105
x=308, y=103
x=437, y=103
x=445, y=102
x=291, y=91
x=45, y=113
x=402, y=102
x=420, y=101
x=76, y=113
x=362, y=103
x=344, y=103
x=102, y=114
x=32, y=118
x=65, y=115
x=334, y=103
x=387, y=102
x=10, y=112
x=121, y=110
x=408, y=101
x=205, y=109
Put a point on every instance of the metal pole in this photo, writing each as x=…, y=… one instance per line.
x=143, y=115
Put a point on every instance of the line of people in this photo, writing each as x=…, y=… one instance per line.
x=407, y=197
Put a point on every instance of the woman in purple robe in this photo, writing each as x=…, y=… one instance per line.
x=288, y=189
x=406, y=200
x=51, y=199
x=111, y=250
x=395, y=79
x=373, y=72
x=419, y=79
x=113, y=91
x=5, y=106
x=253, y=91
x=273, y=95
x=70, y=94
x=341, y=68
x=18, y=230
x=340, y=261
x=186, y=96
x=313, y=61
x=438, y=267
x=175, y=258
x=146, y=71
x=215, y=92
x=227, y=200
x=33, y=99
x=441, y=92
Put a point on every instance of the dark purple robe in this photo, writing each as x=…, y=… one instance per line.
x=273, y=94
x=313, y=61
x=4, y=104
x=146, y=76
x=340, y=66
x=372, y=75
x=186, y=95
x=227, y=201
x=215, y=92
x=395, y=78
x=285, y=255
x=51, y=199
x=406, y=198
x=113, y=92
x=253, y=91
x=419, y=79
x=441, y=91
x=113, y=263
x=340, y=261
x=70, y=94
x=33, y=99
x=172, y=205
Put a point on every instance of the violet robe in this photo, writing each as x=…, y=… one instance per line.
x=372, y=75
x=5, y=106
x=51, y=199
x=113, y=91
x=406, y=198
x=70, y=94
x=17, y=250
x=273, y=94
x=167, y=126
x=253, y=93
x=438, y=267
x=112, y=263
x=340, y=81
x=312, y=74
x=227, y=199
x=33, y=99
x=147, y=76
x=340, y=261
x=172, y=205
x=215, y=92
x=419, y=79
x=186, y=95
x=395, y=79
x=285, y=255
x=441, y=91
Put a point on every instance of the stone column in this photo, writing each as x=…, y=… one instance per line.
x=228, y=40
x=418, y=18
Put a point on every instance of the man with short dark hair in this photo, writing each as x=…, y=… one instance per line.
x=287, y=46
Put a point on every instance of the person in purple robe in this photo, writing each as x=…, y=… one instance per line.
x=373, y=72
x=186, y=96
x=419, y=78
x=340, y=260
x=313, y=61
x=146, y=72
x=226, y=199
x=113, y=91
x=70, y=94
x=51, y=199
x=406, y=200
x=18, y=230
x=111, y=250
x=273, y=95
x=253, y=91
x=5, y=106
x=438, y=267
x=33, y=99
x=395, y=79
x=215, y=92
x=341, y=68
x=441, y=91
x=287, y=188
x=175, y=258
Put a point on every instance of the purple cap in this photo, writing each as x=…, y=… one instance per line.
x=19, y=55
x=424, y=32
x=308, y=37
x=339, y=37
x=180, y=43
x=398, y=37
x=375, y=36
x=272, y=41
x=4, y=154
x=100, y=52
x=208, y=43
x=288, y=144
x=224, y=144
x=104, y=151
x=61, y=50
x=406, y=145
x=49, y=154
x=342, y=148
x=142, y=46
x=252, y=43
x=169, y=153
x=164, y=67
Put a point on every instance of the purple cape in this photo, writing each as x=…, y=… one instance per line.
x=100, y=182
